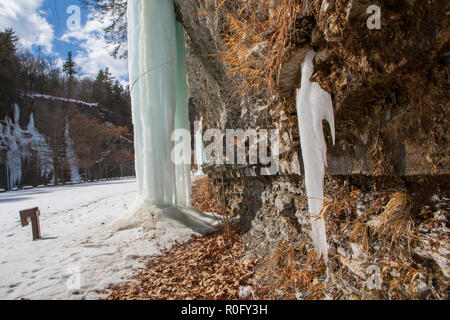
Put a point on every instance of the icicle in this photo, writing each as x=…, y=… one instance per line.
x=199, y=147
x=20, y=145
x=42, y=148
x=71, y=156
x=183, y=169
x=16, y=113
x=313, y=106
x=17, y=151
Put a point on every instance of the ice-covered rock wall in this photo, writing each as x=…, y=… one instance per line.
x=19, y=146
x=72, y=159
x=41, y=146
x=199, y=147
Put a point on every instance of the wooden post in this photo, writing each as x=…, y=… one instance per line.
x=32, y=215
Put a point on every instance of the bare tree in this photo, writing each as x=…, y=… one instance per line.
x=115, y=13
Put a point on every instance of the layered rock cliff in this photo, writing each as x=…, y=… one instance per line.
x=387, y=186
x=37, y=147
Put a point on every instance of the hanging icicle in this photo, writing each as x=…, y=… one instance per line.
x=199, y=147
x=314, y=105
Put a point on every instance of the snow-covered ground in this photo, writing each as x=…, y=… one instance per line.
x=47, y=97
x=80, y=253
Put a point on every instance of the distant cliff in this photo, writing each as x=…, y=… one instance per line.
x=44, y=140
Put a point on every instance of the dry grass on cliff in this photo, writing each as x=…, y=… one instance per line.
x=290, y=272
x=256, y=44
x=396, y=222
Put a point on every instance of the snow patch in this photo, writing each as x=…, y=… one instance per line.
x=79, y=238
x=47, y=97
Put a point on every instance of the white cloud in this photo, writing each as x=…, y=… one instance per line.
x=95, y=51
x=28, y=21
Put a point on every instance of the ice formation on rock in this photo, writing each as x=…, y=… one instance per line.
x=314, y=105
x=71, y=156
x=44, y=152
x=16, y=150
x=182, y=168
x=159, y=96
x=21, y=144
x=199, y=147
x=152, y=56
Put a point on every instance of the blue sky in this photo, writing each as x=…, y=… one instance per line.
x=43, y=24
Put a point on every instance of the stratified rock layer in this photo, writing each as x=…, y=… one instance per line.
x=390, y=95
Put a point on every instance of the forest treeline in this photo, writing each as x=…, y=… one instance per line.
x=101, y=136
x=21, y=72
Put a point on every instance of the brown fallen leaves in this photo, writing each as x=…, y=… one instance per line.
x=204, y=268
x=203, y=196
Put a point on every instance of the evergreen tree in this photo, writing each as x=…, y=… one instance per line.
x=8, y=71
x=69, y=68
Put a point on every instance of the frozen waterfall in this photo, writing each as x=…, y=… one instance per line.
x=159, y=94
x=199, y=147
x=44, y=152
x=314, y=105
x=71, y=156
x=22, y=145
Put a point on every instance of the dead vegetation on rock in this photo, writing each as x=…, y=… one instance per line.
x=396, y=223
x=291, y=273
x=203, y=195
x=375, y=236
x=258, y=38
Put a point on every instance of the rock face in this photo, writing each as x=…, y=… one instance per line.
x=390, y=97
x=50, y=121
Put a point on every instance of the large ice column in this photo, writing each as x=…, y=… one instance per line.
x=152, y=61
x=159, y=94
x=313, y=106
x=183, y=168
x=199, y=147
